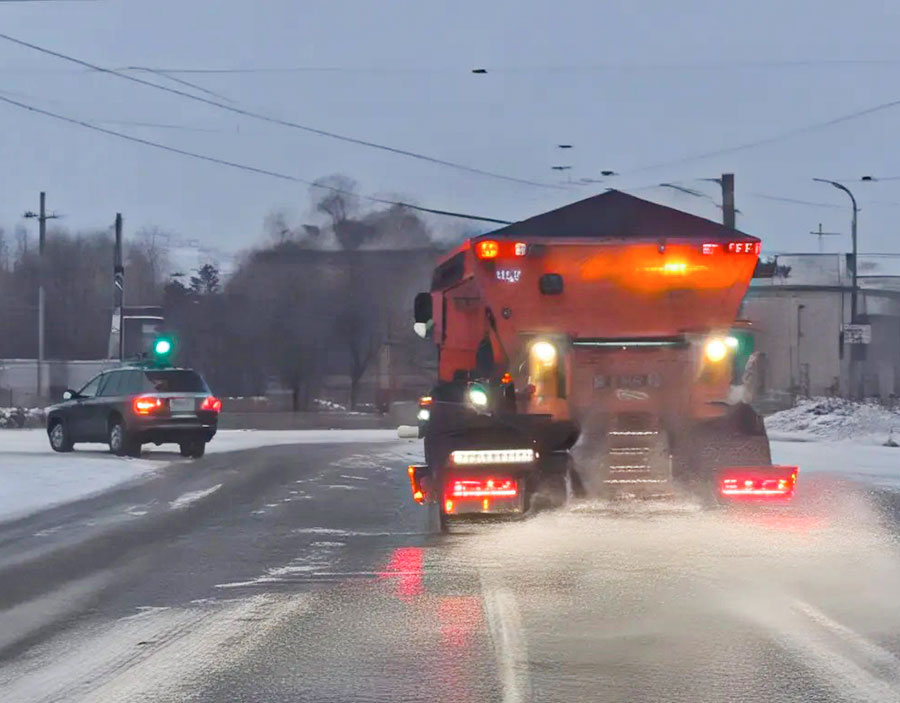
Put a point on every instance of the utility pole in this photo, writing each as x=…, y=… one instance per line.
x=821, y=235
x=119, y=281
x=41, y=216
x=728, y=212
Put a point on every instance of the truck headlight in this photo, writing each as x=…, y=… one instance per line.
x=715, y=349
x=544, y=352
x=478, y=397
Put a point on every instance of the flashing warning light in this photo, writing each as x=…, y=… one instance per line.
x=772, y=482
x=487, y=249
x=675, y=268
x=470, y=457
x=484, y=488
x=144, y=405
x=715, y=349
x=212, y=403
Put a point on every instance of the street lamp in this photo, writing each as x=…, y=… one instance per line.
x=853, y=288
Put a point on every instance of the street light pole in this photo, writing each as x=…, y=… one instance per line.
x=853, y=286
x=855, y=391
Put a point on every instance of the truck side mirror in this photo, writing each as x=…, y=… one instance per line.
x=423, y=315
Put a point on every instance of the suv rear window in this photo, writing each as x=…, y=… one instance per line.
x=175, y=381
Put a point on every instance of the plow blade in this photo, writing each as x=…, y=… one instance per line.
x=756, y=483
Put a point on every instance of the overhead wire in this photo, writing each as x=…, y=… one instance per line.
x=279, y=121
x=244, y=167
x=788, y=134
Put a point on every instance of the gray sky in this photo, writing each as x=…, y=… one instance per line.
x=630, y=84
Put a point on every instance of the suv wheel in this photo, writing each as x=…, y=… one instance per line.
x=120, y=443
x=194, y=448
x=60, y=440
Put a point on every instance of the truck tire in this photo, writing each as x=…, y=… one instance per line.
x=700, y=449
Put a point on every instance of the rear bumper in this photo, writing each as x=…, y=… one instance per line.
x=172, y=429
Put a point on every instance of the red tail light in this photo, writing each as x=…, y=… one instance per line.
x=211, y=403
x=758, y=483
x=484, y=488
x=144, y=405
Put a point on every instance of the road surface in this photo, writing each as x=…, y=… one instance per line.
x=305, y=574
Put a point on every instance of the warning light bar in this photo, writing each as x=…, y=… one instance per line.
x=484, y=488
x=735, y=247
x=758, y=483
x=492, y=249
x=471, y=457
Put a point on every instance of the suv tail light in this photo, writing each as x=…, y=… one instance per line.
x=211, y=403
x=144, y=405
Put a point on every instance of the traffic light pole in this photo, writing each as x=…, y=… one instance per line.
x=119, y=280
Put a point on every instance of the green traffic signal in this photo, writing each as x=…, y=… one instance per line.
x=162, y=347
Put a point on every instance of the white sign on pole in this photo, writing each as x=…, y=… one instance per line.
x=858, y=334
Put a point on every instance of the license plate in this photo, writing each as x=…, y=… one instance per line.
x=182, y=405
x=650, y=380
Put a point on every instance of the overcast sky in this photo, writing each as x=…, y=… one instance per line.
x=630, y=84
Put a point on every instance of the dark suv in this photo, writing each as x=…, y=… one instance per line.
x=129, y=406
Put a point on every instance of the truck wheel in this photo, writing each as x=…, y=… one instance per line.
x=436, y=520
x=60, y=439
x=736, y=440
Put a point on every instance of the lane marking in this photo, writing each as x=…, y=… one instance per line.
x=505, y=626
x=873, y=652
x=186, y=499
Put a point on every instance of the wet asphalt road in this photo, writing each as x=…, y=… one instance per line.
x=305, y=574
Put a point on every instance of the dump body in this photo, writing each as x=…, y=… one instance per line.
x=631, y=315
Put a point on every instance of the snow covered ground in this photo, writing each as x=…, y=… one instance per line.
x=33, y=476
x=835, y=419
x=819, y=436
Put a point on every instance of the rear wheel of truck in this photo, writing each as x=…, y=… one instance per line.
x=739, y=439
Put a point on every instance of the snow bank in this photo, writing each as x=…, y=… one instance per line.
x=835, y=419
x=34, y=477
x=18, y=417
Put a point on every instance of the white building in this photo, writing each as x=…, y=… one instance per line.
x=801, y=304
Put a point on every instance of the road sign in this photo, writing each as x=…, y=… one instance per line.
x=858, y=334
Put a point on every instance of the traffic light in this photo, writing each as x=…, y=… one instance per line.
x=162, y=348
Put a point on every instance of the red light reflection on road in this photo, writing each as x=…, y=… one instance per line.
x=406, y=565
x=459, y=617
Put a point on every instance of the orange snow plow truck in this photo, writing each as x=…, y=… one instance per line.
x=592, y=350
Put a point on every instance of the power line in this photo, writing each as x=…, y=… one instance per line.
x=795, y=201
x=574, y=68
x=276, y=120
x=796, y=131
x=243, y=167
